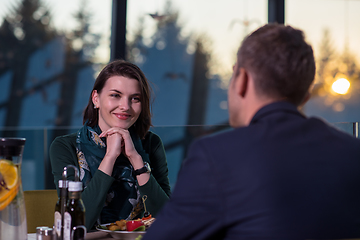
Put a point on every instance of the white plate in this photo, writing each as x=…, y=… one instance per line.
x=124, y=235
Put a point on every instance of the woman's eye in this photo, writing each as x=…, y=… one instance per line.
x=135, y=99
x=115, y=95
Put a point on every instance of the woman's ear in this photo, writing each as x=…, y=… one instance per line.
x=95, y=98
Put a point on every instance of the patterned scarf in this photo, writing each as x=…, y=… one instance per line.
x=123, y=198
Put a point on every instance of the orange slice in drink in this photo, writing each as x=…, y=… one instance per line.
x=9, y=182
x=9, y=173
x=4, y=194
x=8, y=197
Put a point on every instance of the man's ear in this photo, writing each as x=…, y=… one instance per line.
x=242, y=82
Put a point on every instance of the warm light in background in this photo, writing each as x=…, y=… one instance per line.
x=341, y=86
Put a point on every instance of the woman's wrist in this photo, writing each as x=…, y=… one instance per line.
x=107, y=164
x=143, y=178
x=136, y=161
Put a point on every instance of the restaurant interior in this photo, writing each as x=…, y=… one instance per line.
x=52, y=51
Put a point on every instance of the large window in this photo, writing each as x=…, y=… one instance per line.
x=51, y=52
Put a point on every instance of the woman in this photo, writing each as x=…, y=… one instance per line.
x=114, y=148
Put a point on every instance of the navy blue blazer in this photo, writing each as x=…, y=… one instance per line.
x=284, y=176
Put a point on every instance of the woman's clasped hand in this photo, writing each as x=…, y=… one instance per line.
x=119, y=141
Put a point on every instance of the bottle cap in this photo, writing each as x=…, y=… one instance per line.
x=63, y=184
x=75, y=186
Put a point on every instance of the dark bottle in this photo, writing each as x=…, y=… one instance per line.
x=74, y=217
x=60, y=208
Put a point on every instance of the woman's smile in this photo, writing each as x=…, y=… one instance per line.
x=122, y=116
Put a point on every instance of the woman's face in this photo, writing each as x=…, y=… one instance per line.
x=119, y=103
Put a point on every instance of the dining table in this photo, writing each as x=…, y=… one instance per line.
x=97, y=235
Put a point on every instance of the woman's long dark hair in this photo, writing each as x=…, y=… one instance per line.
x=129, y=70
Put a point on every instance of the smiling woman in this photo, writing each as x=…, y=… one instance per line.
x=114, y=149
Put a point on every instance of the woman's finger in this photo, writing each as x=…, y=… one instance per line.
x=108, y=132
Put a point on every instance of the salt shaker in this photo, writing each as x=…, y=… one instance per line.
x=44, y=233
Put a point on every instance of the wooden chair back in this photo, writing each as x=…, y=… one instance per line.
x=40, y=208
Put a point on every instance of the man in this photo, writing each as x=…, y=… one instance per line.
x=277, y=174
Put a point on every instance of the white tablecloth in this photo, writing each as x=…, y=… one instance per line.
x=89, y=236
x=31, y=236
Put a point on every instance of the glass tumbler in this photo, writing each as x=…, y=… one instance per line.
x=12, y=206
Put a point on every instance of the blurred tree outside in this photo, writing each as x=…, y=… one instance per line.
x=25, y=31
x=331, y=66
x=46, y=76
x=168, y=38
x=185, y=87
x=80, y=47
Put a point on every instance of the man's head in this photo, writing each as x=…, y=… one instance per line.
x=281, y=64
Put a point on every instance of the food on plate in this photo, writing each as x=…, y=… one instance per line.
x=130, y=225
x=148, y=221
x=117, y=226
x=140, y=224
x=147, y=215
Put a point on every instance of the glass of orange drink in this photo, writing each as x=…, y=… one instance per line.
x=12, y=206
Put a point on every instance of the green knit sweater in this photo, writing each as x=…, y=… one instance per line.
x=157, y=189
